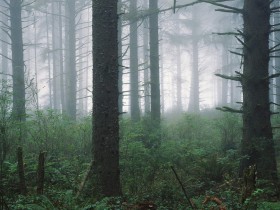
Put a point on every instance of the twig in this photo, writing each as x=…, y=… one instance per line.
x=184, y=190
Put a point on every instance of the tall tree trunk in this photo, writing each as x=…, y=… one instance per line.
x=120, y=58
x=179, y=79
x=194, y=90
x=61, y=66
x=257, y=143
x=154, y=61
x=72, y=75
x=4, y=43
x=49, y=63
x=55, y=56
x=277, y=54
x=17, y=61
x=134, y=92
x=105, y=97
x=224, y=72
x=147, y=93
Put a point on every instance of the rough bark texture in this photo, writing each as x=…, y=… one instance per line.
x=154, y=61
x=120, y=83
x=277, y=59
x=105, y=97
x=22, y=184
x=257, y=143
x=41, y=173
x=17, y=61
x=134, y=99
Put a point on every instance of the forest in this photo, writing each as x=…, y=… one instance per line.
x=139, y=104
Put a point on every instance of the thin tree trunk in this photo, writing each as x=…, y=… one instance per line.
x=224, y=72
x=41, y=173
x=154, y=61
x=55, y=56
x=134, y=92
x=194, y=90
x=4, y=45
x=22, y=184
x=146, y=65
x=72, y=75
x=120, y=59
x=49, y=63
x=61, y=66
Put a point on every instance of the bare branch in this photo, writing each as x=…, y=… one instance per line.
x=228, y=109
x=234, y=78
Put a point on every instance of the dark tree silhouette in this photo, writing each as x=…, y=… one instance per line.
x=105, y=97
x=17, y=60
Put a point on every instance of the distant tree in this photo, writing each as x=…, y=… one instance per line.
x=4, y=43
x=147, y=94
x=105, y=97
x=71, y=81
x=194, y=89
x=154, y=61
x=134, y=89
x=56, y=55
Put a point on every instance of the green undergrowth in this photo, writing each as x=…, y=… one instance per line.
x=203, y=149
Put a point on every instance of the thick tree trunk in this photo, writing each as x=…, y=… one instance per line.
x=134, y=92
x=154, y=61
x=17, y=61
x=105, y=97
x=257, y=143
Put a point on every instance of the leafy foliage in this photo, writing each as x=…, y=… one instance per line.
x=194, y=145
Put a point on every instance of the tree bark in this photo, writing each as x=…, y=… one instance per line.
x=257, y=144
x=105, y=97
x=41, y=173
x=72, y=75
x=154, y=61
x=120, y=58
x=22, y=184
x=17, y=61
x=134, y=92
